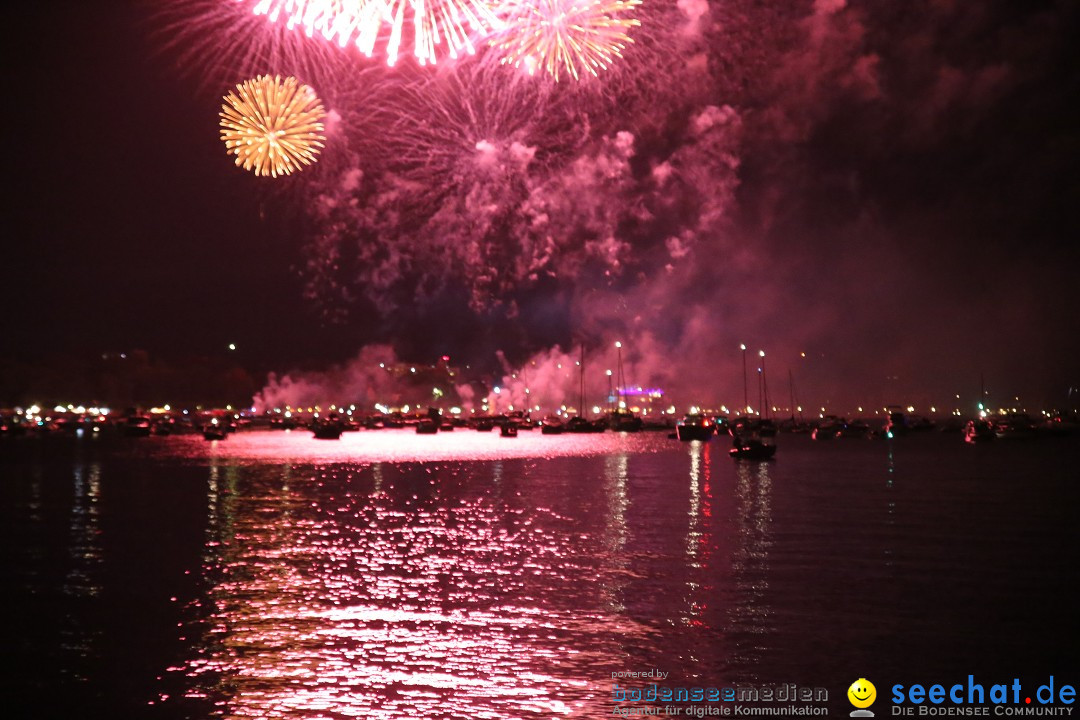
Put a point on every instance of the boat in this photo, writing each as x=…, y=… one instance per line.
x=856, y=429
x=427, y=426
x=579, y=424
x=12, y=426
x=752, y=439
x=484, y=424
x=829, y=428
x=214, y=430
x=327, y=431
x=897, y=424
x=328, y=428
x=695, y=427
x=520, y=419
x=552, y=426
x=1059, y=425
x=508, y=429
x=753, y=450
x=1015, y=426
x=624, y=421
x=393, y=420
x=136, y=426
x=791, y=425
x=979, y=431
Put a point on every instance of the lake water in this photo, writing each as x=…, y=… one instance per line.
x=390, y=575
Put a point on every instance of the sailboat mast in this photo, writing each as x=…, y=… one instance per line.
x=765, y=384
x=791, y=390
x=581, y=381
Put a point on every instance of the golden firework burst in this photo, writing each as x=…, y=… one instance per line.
x=571, y=36
x=272, y=126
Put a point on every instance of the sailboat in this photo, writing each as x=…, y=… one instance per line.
x=621, y=418
x=579, y=423
x=755, y=438
x=791, y=424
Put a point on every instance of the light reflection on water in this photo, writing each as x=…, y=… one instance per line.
x=339, y=596
x=468, y=575
x=450, y=589
x=404, y=445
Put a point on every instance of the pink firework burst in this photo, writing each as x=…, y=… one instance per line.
x=438, y=27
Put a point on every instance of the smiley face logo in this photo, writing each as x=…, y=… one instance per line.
x=862, y=694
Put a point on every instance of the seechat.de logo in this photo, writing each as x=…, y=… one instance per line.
x=862, y=694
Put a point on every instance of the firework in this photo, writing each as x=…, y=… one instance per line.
x=567, y=36
x=273, y=126
x=216, y=41
x=444, y=27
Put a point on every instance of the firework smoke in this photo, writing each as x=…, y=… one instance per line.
x=703, y=192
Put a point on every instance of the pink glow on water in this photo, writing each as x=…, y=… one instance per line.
x=404, y=445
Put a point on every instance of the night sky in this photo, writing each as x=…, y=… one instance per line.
x=888, y=188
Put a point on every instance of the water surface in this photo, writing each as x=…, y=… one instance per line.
x=388, y=575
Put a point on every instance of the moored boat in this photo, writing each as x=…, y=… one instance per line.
x=484, y=424
x=752, y=439
x=1015, y=426
x=897, y=423
x=979, y=431
x=856, y=429
x=328, y=428
x=215, y=430
x=624, y=421
x=552, y=426
x=579, y=424
x=828, y=429
x=695, y=427
x=427, y=426
x=753, y=450
x=136, y=426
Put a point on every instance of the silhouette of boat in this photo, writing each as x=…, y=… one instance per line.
x=856, y=429
x=979, y=431
x=431, y=423
x=136, y=426
x=326, y=431
x=329, y=428
x=752, y=439
x=484, y=424
x=695, y=427
x=579, y=424
x=753, y=450
x=1015, y=426
x=552, y=426
x=624, y=421
x=828, y=429
x=897, y=423
x=215, y=430
x=427, y=426
x=509, y=429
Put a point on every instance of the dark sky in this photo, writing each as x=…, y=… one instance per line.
x=901, y=198
x=127, y=227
